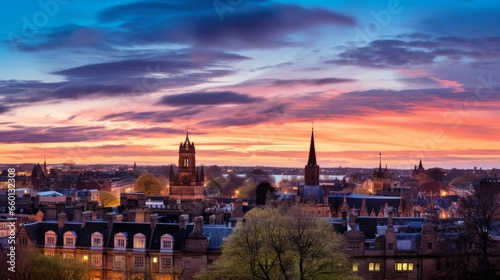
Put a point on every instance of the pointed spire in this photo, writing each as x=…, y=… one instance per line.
x=202, y=175
x=380, y=162
x=44, y=162
x=187, y=137
x=386, y=167
x=312, y=151
x=420, y=166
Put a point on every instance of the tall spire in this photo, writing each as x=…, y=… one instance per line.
x=312, y=152
x=44, y=163
x=187, y=136
x=380, y=164
x=420, y=166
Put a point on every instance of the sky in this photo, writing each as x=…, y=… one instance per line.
x=122, y=81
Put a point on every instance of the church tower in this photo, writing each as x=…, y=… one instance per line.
x=311, y=176
x=187, y=183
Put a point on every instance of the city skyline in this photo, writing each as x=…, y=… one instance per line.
x=121, y=82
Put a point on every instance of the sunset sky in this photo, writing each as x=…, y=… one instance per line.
x=119, y=81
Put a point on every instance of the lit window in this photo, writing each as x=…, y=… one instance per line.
x=139, y=262
x=166, y=264
x=355, y=266
x=404, y=266
x=96, y=260
x=50, y=254
x=139, y=241
x=119, y=261
x=68, y=257
x=374, y=266
x=51, y=240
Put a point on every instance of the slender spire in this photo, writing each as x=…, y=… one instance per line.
x=187, y=136
x=44, y=163
x=380, y=160
x=312, y=151
x=420, y=166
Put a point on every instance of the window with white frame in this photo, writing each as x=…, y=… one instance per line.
x=119, y=261
x=69, y=239
x=167, y=243
x=166, y=264
x=97, y=240
x=139, y=261
x=50, y=239
x=120, y=241
x=96, y=260
x=139, y=241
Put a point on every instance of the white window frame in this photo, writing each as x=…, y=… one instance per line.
x=120, y=237
x=69, y=236
x=96, y=260
x=96, y=236
x=52, y=237
x=163, y=264
x=139, y=242
x=136, y=262
x=119, y=261
x=164, y=241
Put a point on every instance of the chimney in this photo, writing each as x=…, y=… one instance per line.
x=50, y=213
x=389, y=223
x=198, y=225
x=86, y=216
x=101, y=212
x=110, y=218
x=183, y=220
x=154, y=220
x=77, y=213
x=61, y=219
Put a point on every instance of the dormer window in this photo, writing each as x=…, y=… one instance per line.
x=69, y=239
x=120, y=241
x=167, y=243
x=139, y=241
x=97, y=240
x=50, y=239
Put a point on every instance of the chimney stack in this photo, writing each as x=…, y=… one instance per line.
x=86, y=216
x=50, y=213
x=77, y=213
x=61, y=219
x=183, y=221
x=198, y=225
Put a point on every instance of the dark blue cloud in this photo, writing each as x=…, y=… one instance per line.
x=208, y=98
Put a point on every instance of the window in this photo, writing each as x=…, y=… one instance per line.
x=120, y=241
x=97, y=240
x=68, y=257
x=355, y=266
x=139, y=241
x=69, y=239
x=50, y=239
x=167, y=243
x=404, y=266
x=51, y=254
x=187, y=264
x=374, y=266
x=166, y=264
x=186, y=162
x=119, y=261
x=139, y=262
x=390, y=246
x=429, y=245
x=353, y=245
x=96, y=260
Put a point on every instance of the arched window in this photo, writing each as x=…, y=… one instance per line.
x=120, y=241
x=50, y=239
x=139, y=241
x=186, y=162
x=97, y=240
x=167, y=243
x=69, y=239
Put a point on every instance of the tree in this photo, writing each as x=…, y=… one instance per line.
x=479, y=216
x=436, y=174
x=148, y=184
x=213, y=172
x=35, y=266
x=108, y=199
x=278, y=243
x=261, y=192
